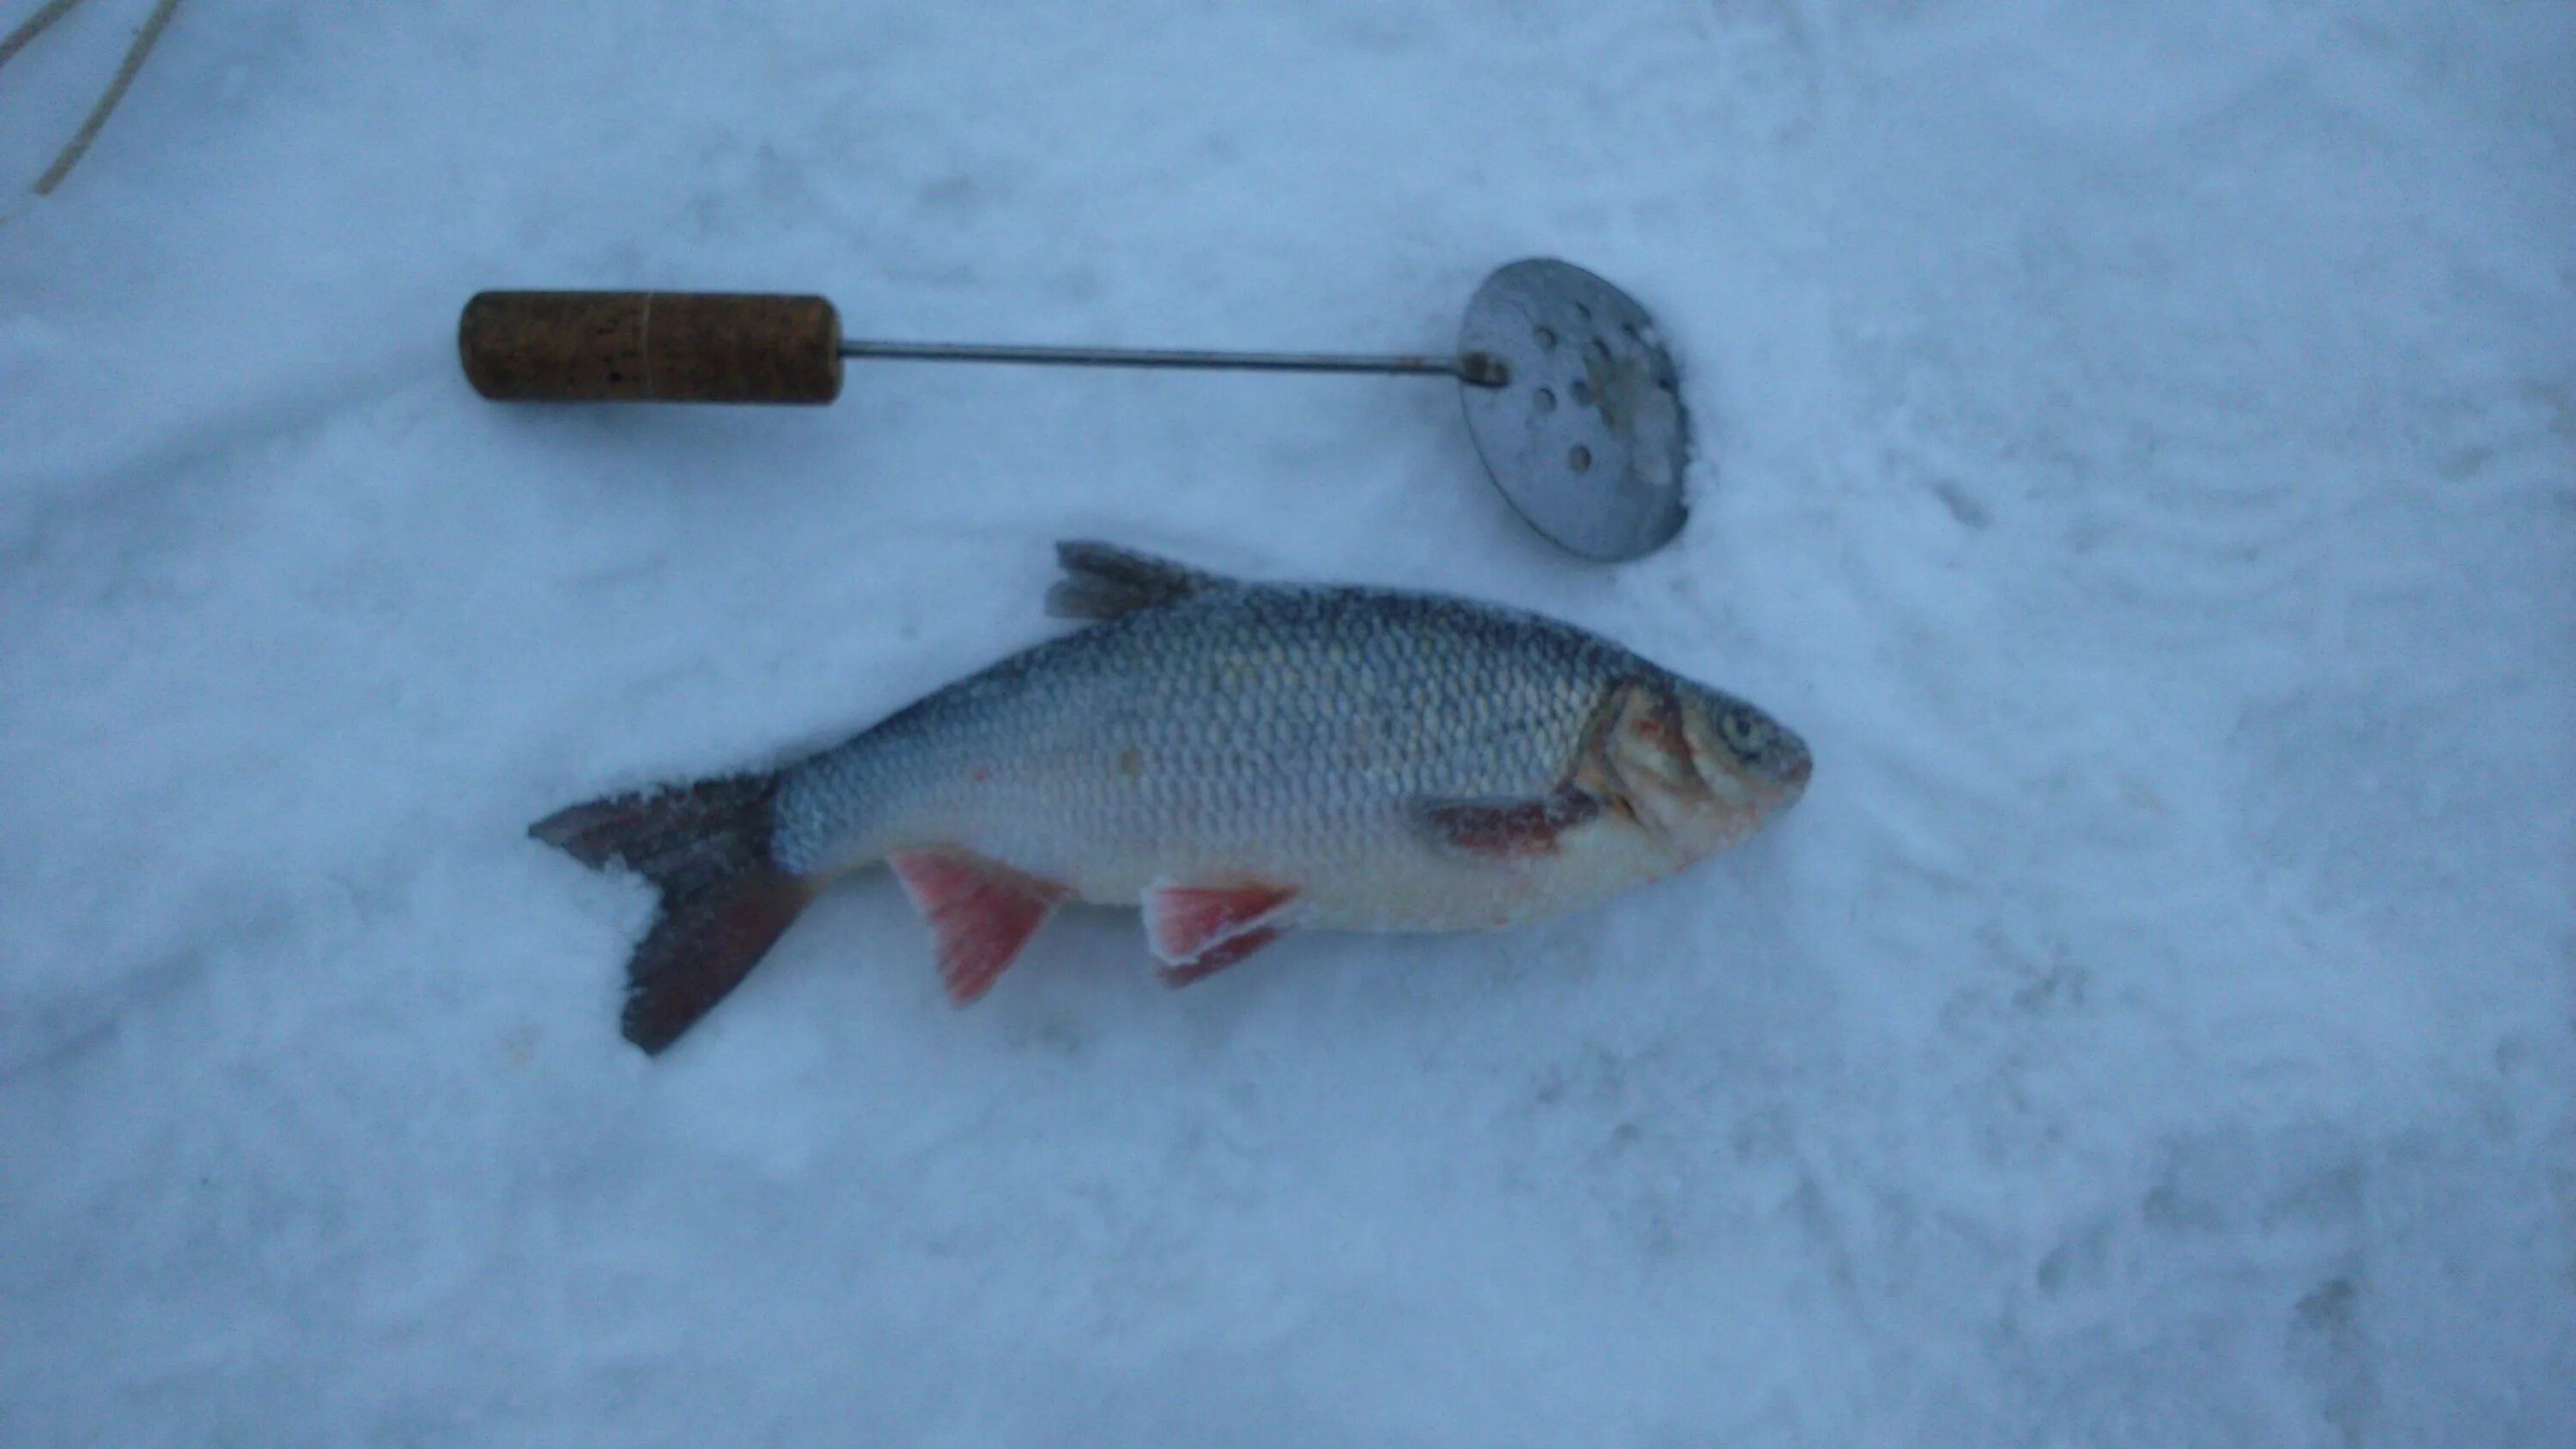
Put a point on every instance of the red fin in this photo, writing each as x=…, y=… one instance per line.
x=1219, y=956
x=1194, y=930
x=1506, y=828
x=982, y=911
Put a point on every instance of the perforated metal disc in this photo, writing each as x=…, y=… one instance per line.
x=1588, y=438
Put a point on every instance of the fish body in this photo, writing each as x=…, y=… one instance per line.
x=1237, y=730
x=1240, y=759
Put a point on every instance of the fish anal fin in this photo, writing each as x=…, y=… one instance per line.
x=1505, y=829
x=1103, y=581
x=1197, y=930
x=981, y=912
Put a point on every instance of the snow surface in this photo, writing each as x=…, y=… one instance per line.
x=2139, y=452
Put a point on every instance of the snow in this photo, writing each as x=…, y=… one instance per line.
x=2136, y=453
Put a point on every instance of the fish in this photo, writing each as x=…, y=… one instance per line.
x=1238, y=759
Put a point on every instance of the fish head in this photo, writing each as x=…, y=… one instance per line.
x=1698, y=768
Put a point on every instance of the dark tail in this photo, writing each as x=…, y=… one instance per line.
x=724, y=901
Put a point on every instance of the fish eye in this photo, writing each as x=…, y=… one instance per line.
x=1742, y=732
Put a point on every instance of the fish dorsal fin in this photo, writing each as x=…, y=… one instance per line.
x=1104, y=581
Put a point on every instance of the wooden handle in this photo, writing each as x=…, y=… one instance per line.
x=651, y=347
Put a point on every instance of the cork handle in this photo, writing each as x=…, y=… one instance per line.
x=651, y=347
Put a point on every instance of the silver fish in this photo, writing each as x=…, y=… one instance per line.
x=1239, y=758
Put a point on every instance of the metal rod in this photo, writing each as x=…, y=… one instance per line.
x=1478, y=368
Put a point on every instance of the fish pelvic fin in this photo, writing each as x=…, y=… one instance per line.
x=1103, y=581
x=724, y=902
x=1196, y=931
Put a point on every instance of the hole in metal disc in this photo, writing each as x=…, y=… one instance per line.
x=1599, y=351
x=1582, y=313
x=1580, y=459
x=1545, y=401
x=1582, y=392
x=1546, y=338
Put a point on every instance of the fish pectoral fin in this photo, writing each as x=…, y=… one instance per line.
x=1198, y=930
x=981, y=912
x=1103, y=581
x=1504, y=829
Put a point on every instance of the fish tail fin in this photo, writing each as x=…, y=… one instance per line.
x=724, y=900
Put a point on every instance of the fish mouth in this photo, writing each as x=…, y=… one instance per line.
x=1787, y=785
x=1798, y=773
